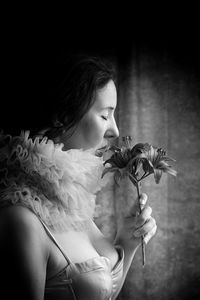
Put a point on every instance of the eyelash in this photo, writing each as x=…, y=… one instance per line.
x=104, y=118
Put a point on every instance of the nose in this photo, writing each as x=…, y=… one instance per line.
x=113, y=131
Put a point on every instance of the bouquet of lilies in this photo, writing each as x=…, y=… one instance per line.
x=137, y=163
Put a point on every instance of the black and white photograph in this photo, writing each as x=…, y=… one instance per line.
x=100, y=157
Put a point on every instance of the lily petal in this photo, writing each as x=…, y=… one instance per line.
x=157, y=175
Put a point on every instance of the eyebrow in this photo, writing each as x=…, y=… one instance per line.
x=108, y=107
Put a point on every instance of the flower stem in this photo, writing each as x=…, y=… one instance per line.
x=142, y=238
x=143, y=176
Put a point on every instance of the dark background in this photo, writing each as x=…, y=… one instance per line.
x=33, y=47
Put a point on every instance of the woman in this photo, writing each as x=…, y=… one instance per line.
x=50, y=245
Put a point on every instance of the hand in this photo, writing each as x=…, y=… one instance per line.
x=136, y=225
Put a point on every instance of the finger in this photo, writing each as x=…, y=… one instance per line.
x=150, y=234
x=143, y=200
x=146, y=228
x=135, y=209
x=144, y=216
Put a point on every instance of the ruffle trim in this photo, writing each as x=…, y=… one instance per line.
x=59, y=186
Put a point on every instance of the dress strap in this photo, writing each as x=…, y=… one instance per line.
x=55, y=241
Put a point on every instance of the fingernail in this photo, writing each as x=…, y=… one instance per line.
x=142, y=202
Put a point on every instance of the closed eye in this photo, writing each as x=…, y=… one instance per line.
x=104, y=117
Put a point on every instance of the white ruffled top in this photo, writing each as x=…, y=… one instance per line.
x=59, y=186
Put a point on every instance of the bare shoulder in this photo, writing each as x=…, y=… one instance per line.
x=23, y=253
x=16, y=213
x=20, y=222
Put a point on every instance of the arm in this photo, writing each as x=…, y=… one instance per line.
x=128, y=237
x=130, y=249
x=130, y=231
x=23, y=254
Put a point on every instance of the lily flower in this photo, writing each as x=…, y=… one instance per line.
x=155, y=161
x=118, y=163
x=137, y=163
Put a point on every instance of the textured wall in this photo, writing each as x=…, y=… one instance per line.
x=159, y=103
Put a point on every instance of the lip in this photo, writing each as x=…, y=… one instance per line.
x=103, y=147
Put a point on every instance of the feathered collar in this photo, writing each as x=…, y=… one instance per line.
x=59, y=186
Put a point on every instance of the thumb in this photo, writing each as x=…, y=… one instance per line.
x=136, y=207
x=143, y=200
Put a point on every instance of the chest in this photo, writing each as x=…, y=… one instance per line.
x=77, y=247
x=71, y=246
x=92, y=278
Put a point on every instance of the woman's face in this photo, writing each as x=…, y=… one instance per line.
x=98, y=127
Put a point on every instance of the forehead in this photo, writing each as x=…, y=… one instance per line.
x=106, y=96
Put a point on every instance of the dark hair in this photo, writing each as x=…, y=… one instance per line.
x=78, y=80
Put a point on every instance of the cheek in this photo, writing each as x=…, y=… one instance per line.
x=93, y=130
